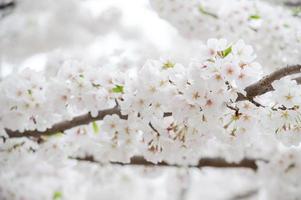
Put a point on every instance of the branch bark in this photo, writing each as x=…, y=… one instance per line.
x=205, y=162
x=65, y=125
x=264, y=85
x=260, y=87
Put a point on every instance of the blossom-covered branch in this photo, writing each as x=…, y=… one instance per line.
x=264, y=85
x=76, y=121
x=65, y=125
x=260, y=87
x=205, y=162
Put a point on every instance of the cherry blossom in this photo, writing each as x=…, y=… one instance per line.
x=150, y=121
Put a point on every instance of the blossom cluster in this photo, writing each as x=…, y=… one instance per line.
x=287, y=120
x=274, y=31
x=36, y=103
x=197, y=96
x=166, y=107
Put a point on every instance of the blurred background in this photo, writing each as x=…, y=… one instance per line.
x=40, y=33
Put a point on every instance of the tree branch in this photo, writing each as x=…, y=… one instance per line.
x=7, y=5
x=292, y=4
x=256, y=89
x=65, y=125
x=264, y=85
x=205, y=162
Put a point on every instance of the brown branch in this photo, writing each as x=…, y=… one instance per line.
x=292, y=4
x=65, y=125
x=256, y=89
x=205, y=162
x=264, y=85
x=7, y=5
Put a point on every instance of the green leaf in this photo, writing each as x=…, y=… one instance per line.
x=55, y=134
x=118, y=89
x=29, y=91
x=58, y=134
x=203, y=11
x=255, y=17
x=226, y=51
x=95, y=127
x=168, y=64
x=57, y=195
